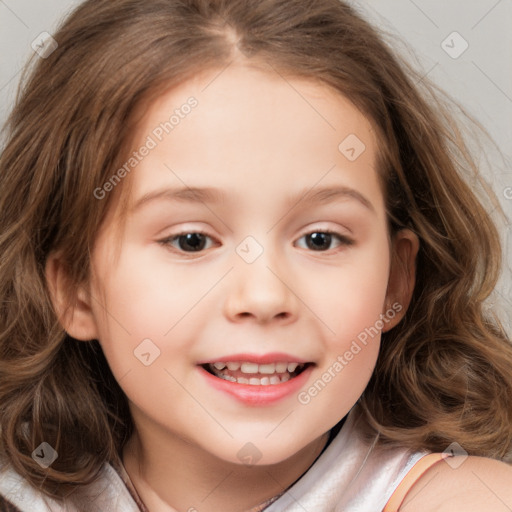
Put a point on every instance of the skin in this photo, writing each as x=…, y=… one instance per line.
x=469, y=484
x=261, y=140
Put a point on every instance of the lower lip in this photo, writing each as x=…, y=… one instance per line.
x=258, y=395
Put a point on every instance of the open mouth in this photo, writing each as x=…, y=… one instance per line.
x=255, y=374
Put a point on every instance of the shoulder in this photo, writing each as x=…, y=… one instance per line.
x=107, y=492
x=17, y=495
x=462, y=484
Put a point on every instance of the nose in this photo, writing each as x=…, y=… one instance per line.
x=261, y=291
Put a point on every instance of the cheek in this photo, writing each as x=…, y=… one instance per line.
x=353, y=314
x=351, y=298
x=145, y=295
x=353, y=309
x=143, y=298
x=137, y=306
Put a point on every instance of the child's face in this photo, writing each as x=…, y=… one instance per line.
x=259, y=289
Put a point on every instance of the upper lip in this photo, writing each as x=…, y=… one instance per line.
x=275, y=357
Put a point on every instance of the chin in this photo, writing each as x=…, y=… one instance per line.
x=259, y=452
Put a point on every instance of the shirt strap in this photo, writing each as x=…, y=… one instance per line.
x=414, y=474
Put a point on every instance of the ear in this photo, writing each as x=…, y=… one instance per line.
x=402, y=276
x=72, y=307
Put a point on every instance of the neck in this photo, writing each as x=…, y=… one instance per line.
x=172, y=474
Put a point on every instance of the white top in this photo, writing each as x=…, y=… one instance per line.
x=350, y=476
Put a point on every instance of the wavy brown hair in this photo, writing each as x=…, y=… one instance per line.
x=444, y=373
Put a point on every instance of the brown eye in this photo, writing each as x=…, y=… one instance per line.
x=319, y=241
x=323, y=240
x=192, y=242
x=188, y=242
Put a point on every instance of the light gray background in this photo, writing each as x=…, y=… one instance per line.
x=480, y=78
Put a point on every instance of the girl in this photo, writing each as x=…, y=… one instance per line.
x=241, y=270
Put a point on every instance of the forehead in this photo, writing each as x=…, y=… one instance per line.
x=253, y=129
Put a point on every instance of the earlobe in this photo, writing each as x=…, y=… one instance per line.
x=72, y=306
x=402, y=275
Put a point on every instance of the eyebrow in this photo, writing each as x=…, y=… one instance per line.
x=331, y=195
x=184, y=195
x=213, y=195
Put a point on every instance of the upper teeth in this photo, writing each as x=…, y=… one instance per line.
x=268, y=369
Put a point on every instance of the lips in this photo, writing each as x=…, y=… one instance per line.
x=257, y=380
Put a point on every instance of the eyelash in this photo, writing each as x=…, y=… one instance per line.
x=167, y=242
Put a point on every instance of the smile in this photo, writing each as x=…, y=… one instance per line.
x=257, y=380
x=254, y=374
